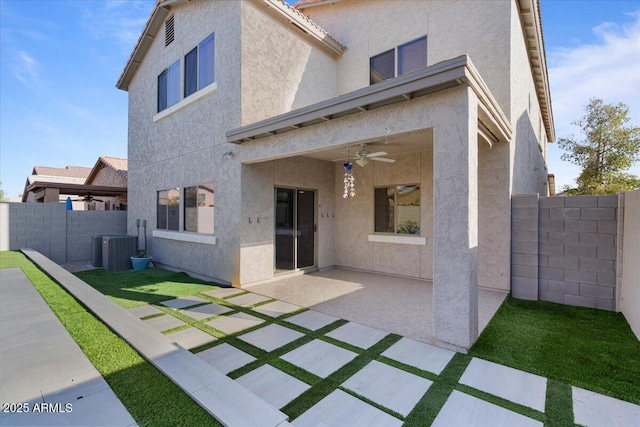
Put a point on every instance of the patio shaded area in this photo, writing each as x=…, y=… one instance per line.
x=394, y=304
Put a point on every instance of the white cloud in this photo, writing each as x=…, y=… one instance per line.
x=608, y=69
x=26, y=69
x=121, y=20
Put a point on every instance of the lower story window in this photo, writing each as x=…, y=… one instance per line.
x=199, y=208
x=397, y=209
x=168, y=209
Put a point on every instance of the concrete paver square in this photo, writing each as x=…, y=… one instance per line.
x=163, y=323
x=225, y=357
x=357, y=334
x=191, y=337
x=271, y=337
x=388, y=386
x=340, y=409
x=183, y=302
x=277, y=308
x=312, y=320
x=247, y=300
x=419, y=355
x=596, y=410
x=204, y=311
x=319, y=357
x=144, y=311
x=508, y=383
x=234, y=322
x=464, y=410
x=273, y=385
x=224, y=292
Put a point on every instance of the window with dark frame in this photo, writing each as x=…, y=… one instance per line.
x=168, y=209
x=169, y=86
x=199, y=66
x=397, y=209
x=404, y=59
x=199, y=208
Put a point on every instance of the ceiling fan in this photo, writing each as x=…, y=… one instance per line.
x=88, y=198
x=363, y=156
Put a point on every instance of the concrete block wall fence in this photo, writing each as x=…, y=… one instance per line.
x=60, y=235
x=566, y=249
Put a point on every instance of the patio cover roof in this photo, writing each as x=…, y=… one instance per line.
x=493, y=125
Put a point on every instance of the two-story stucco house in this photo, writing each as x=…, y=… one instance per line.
x=242, y=115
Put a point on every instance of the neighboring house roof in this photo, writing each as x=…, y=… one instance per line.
x=278, y=8
x=69, y=171
x=118, y=164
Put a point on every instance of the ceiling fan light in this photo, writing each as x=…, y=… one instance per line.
x=362, y=161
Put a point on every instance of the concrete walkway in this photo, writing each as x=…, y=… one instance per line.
x=43, y=372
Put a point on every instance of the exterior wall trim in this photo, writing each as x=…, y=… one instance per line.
x=405, y=240
x=185, y=237
x=444, y=75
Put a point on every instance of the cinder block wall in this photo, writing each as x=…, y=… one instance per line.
x=574, y=241
x=83, y=225
x=50, y=229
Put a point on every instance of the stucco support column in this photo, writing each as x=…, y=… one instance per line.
x=455, y=223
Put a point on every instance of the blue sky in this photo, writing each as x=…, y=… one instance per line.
x=60, y=60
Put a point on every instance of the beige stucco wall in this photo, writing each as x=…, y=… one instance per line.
x=258, y=183
x=186, y=148
x=281, y=70
x=477, y=28
x=630, y=286
x=109, y=177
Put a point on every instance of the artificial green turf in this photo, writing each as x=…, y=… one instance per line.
x=134, y=288
x=588, y=348
x=150, y=397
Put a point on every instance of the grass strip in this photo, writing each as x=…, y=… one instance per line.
x=150, y=397
x=315, y=394
x=434, y=399
x=585, y=347
x=498, y=401
x=559, y=404
x=134, y=288
x=372, y=403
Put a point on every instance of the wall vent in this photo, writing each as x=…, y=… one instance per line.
x=169, y=33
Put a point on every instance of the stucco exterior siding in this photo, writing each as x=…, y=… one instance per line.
x=477, y=28
x=281, y=71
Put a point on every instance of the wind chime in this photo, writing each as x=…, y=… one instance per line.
x=349, y=180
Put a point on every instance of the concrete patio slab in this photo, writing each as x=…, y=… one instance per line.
x=464, y=410
x=596, y=410
x=248, y=299
x=144, y=311
x=319, y=357
x=192, y=375
x=191, y=338
x=224, y=292
x=393, y=304
x=358, y=335
x=234, y=322
x=508, y=383
x=388, y=386
x=164, y=323
x=225, y=357
x=277, y=308
x=419, y=355
x=340, y=409
x=312, y=320
x=273, y=385
x=271, y=337
x=204, y=311
x=183, y=302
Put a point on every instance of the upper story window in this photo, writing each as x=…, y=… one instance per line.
x=168, y=209
x=198, y=66
x=397, y=209
x=401, y=60
x=169, y=86
x=199, y=208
